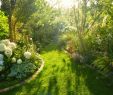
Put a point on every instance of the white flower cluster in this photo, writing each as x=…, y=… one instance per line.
x=2, y=47
x=19, y=61
x=6, y=42
x=7, y=47
x=8, y=52
x=12, y=45
x=14, y=60
x=27, y=55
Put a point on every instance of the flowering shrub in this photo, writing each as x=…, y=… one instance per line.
x=27, y=55
x=8, y=52
x=16, y=61
x=19, y=61
x=2, y=47
x=13, y=60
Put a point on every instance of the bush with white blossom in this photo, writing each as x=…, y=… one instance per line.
x=8, y=52
x=13, y=60
x=2, y=47
x=12, y=45
x=16, y=61
x=27, y=55
x=6, y=42
x=19, y=61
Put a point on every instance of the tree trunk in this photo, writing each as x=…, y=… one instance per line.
x=14, y=31
x=10, y=28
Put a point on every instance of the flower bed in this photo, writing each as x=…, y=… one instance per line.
x=19, y=83
x=17, y=61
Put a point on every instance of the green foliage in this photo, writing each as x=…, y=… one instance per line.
x=3, y=26
x=90, y=32
x=17, y=61
x=101, y=38
x=21, y=71
x=103, y=64
x=67, y=40
x=45, y=24
x=63, y=78
x=20, y=12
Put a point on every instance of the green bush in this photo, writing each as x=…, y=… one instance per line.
x=3, y=25
x=22, y=70
x=16, y=61
x=103, y=64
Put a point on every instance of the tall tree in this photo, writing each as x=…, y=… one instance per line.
x=23, y=10
x=86, y=15
x=17, y=11
x=8, y=6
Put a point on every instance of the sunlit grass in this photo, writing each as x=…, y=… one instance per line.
x=61, y=76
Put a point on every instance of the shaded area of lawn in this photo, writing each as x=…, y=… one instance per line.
x=4, y=84
x=61, y=76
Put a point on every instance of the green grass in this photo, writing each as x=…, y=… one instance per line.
x=61, y=76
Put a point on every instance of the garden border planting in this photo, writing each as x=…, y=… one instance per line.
x=90, y=66
x=26, y=80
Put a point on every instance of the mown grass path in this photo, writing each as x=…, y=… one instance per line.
x=61, y=76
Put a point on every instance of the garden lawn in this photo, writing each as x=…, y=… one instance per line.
x=61, y=76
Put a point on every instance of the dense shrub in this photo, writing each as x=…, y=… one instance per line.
x=100, y=41
x=17, y=61
x=103, y=64
x=3, y=26
x=22, y=70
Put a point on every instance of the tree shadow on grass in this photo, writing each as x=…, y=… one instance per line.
x=69, y=91
x=26, y=89
x=53, y=88
x=91, y=80
x=85, y=80
x=96, y=84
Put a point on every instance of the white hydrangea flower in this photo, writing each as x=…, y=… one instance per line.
x=27, y=55
x=31, y=39
x=1, y=68
x=12, y=45
x=6, y=42
x=8, y=52
x=2, y=47
x=1, y=57
x=19, y=61
x=13, y=60
x=1, y=62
